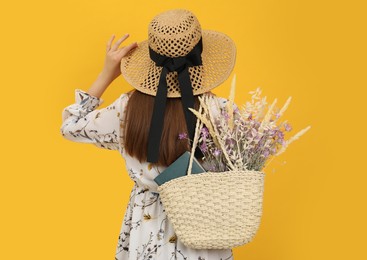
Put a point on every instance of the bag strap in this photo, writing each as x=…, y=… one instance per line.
x=195, y=141
x=196, y=138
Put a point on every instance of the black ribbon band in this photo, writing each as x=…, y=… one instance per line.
x=181, y=65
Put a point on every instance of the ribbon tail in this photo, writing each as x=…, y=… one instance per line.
x=156, y=123
x=187, y=99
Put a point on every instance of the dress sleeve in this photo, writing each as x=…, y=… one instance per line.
x=82, y=122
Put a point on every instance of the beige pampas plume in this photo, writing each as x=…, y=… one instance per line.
x=267, y=116
x=284, y=108
x=220, y=141
x=293, y=138
x=205, y=120
x=296, y=136
x=231, y=101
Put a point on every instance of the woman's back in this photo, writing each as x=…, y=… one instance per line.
x=148, y=171
x=146, y=230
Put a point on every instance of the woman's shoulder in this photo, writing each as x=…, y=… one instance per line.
x=124, y=98
x=126, y=95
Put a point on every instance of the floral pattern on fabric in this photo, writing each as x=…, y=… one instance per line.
x=146, y=232
x=83, y=122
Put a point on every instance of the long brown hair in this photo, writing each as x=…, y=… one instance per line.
x=137, y=122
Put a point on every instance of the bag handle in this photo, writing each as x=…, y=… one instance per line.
x=196, y=138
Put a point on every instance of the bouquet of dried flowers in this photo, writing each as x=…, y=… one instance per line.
x=242, y=139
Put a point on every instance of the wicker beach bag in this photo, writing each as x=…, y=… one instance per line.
x=214, y=210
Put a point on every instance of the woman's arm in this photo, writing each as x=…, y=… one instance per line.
x=99, y=85
x=111, y=69
x=82, y=121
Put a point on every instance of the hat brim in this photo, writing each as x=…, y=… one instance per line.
x=218, y=60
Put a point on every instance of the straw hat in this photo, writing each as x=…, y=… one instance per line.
x=179, y=59
x=175, y=33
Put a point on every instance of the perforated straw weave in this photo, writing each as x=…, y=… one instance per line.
x=174, y=33
x=214, y=210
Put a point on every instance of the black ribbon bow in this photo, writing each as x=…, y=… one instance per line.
x=181, y=65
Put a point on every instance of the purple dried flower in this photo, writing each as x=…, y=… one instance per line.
x=203, y=147
x=217, y=152
x=182, y=136
x=271, y=132
x=273, y=150
x=280, y=134
x=225, y=114
x=266, y=153
x=205, y=132
x=287, y=127
x=262, y=140
x=229, y=142
x=253, y=132
x=280, y=140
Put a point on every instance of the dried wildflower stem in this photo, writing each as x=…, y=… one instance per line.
x=231, y=102
x=293, y=138
x=239, y=150
x=222, y=146
x=210, y=123
x=252, y=129
x=284, y=108
x=267, y=116
x=217, y=105
x=261, y=109
x=207, y=124
x=269, y=161
x=199, y=124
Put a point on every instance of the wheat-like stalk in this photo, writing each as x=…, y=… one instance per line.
x=204, y=120
x=267, y=116
x=198, y=126
x=207, y=123
x=261, y=109
x=293, y=138
x=245, y=152
x=221, y=145
x=231, y=102
x=284, y=108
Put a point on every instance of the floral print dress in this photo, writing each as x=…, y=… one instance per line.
x=146, y=232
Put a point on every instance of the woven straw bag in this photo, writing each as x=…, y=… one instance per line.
x=214, y=210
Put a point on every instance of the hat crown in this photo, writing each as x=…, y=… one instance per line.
x=174, y=33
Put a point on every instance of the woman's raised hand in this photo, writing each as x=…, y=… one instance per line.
x=114, y=55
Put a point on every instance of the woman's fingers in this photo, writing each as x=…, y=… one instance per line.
x=119, y=41
x=126, y=49
x=108, y=47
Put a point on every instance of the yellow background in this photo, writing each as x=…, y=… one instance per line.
x=65, y=200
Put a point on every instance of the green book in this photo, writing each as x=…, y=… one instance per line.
x=179, y=168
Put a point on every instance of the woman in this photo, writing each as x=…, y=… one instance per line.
x=151, y=125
